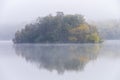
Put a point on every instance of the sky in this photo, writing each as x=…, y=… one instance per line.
x=20, y=11
x=14, y=14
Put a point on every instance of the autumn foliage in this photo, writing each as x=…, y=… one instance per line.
x=58, y=29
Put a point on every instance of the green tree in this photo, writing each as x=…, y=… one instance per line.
x=58, y=29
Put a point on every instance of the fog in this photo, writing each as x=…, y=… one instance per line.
x=18, y=12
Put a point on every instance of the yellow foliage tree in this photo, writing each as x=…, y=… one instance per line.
x=84, y=33
x=82, y=27
x=93, y=37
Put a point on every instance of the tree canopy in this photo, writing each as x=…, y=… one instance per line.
x=58, y=29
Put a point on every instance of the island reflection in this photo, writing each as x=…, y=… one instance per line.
x=58, y=57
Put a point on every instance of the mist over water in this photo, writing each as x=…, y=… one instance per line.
x=60, y=61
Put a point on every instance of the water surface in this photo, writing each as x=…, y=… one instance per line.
x=60, y=61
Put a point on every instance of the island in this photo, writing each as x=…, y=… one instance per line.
x=60, y=28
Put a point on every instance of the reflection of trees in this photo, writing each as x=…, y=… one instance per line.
x=58, y=57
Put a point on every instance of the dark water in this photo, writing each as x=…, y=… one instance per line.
x=60, y=61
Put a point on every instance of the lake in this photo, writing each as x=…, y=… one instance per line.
x=60, y=61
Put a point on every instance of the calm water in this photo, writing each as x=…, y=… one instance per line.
x=60, y=61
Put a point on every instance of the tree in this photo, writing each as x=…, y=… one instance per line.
x=58, y=29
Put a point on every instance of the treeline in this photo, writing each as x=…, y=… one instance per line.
x=58, y=29
x=109, y=30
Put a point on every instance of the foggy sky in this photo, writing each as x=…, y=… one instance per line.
x=18, y=11
x=14, y=14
